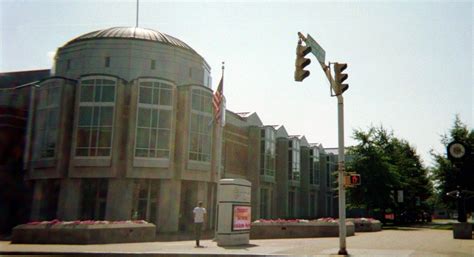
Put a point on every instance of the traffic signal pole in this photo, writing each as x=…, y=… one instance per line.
x=338, y=88
x=341, y=171
x=341, y=165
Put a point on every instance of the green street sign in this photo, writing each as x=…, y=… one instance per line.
x=316, y=49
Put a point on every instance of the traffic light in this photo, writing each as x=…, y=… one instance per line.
x=352, y=180
x=339, y=77
x=301, y=62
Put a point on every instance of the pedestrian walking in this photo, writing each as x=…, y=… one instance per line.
x=199, y=214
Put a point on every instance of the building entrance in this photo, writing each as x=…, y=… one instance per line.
x=187, y=204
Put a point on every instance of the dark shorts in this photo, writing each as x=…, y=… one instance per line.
x=197, y=230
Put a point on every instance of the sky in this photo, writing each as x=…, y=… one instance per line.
x=410, y=63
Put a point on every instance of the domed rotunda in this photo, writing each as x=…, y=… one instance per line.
x=122, y=129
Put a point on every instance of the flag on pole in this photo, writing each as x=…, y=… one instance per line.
x=218, y=102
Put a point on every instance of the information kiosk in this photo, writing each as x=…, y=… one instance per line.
x=234, y=212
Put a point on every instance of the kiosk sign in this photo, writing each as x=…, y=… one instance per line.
x=241, y=217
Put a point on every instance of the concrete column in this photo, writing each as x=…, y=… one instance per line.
x=69, y=199
x=253, y=170
x=282, y=177
x=169, y=206
x=119, y=199
x=303, y=200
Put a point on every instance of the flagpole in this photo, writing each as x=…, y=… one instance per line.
x=219, y=134
x=136, y=24
x=221, y=130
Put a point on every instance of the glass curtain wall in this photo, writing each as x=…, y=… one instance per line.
x=314, y=168
x=154, y=115
x=94, y=198
x=145, y=200
x=201, y=125
x=267, y=152
x=96, y=117
x=294, y=159
x=47, y=119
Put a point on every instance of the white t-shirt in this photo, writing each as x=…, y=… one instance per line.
x=199, y=214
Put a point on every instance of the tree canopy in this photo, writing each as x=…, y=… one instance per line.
x=443, y=172
x=387, y=164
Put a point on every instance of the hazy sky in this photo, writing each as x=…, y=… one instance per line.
x=409, y=63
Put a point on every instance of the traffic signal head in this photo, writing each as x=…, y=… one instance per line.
x=301, y=62
x=339, y=77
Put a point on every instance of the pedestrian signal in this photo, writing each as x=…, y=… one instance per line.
x=352, y=180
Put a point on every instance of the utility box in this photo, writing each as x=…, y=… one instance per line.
x=234, y=212
x=462, y=230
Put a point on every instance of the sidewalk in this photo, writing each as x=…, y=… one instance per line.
x=405, y=242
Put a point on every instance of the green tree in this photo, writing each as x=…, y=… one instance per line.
x=443, y=172
x=387, y=164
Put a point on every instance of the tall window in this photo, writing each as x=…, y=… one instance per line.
x=96, y=116
x=145, y=201
x=154, y=120
x=328, y=171
x=267, y=151
x=314, y=168
x=94, y=198
x=294, y=159
x=201, y=126
x=47, y=117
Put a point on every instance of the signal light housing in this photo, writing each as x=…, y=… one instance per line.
x=301, y=62
x=339, y=78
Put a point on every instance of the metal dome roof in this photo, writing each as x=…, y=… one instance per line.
x=132, y=33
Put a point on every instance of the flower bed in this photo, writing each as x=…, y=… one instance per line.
x=298, y=228
x=83, y=232
x=366, y=224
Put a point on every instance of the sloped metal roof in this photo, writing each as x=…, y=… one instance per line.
x=244, y=114
x=132, y=33
x=18, y=78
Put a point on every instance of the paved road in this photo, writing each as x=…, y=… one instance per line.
x=407, y=242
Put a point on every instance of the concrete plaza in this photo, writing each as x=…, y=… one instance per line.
x=401, y=242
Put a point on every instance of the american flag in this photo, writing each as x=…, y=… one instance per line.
x=218, y=102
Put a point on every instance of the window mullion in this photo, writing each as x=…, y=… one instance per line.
x=150, y=129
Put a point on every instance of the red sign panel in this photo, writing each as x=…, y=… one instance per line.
x=241, y=217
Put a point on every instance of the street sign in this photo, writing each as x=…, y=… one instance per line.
x=316, y=49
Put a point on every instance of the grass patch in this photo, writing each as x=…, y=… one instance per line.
x=443, y=226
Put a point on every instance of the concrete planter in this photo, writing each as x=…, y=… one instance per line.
x=366, y=225
x=83, y=233
x=298, y=230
